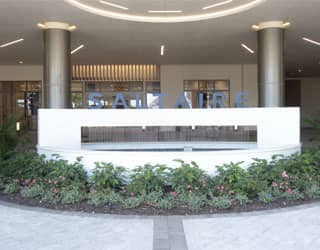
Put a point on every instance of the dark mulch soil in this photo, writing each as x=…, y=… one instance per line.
x=149, y=210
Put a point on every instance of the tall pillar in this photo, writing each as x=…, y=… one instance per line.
x=271, y=71
x=57, y=64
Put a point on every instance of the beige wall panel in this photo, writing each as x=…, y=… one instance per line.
x=21, y=73
x=172, y=77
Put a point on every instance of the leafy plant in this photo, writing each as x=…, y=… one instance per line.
x=189, y=177
x=2, y=183
x=107, y=197
x=72, y=195
x=148, y=178
x=97, y=199
x=107, y=176
x=232, y=177
x=113, y=198
x=293, y=195
x=153, y=197
x=133, y=202
x=220, y=202
x=66, y=174
x=167, y=202
x=194, y=201
x=12, y=187
x=23, y=165
x=31, y=191
x=241, y=199
x=8, y=136
x=313, y=191
x=313, y=122
x=49, y=196
x=265, y=197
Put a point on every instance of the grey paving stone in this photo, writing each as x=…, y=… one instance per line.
x=27, y=229
x=169, y=234
x=293, y=229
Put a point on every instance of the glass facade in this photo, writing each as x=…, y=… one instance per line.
x=103, y=94
x=20, y=99
x=213, y=93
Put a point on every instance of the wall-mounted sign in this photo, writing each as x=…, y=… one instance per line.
x=219, y=100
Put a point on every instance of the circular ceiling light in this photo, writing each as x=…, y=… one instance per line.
x=144, y=11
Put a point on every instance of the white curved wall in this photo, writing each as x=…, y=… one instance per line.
x=278, y=132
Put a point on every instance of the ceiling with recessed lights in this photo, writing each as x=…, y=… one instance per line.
x=114, y=41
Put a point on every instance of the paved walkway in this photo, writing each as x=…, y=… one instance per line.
x=26, y=228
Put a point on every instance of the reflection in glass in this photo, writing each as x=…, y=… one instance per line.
x=205, y=89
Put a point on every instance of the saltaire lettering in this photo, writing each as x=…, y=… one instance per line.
x=219, y=100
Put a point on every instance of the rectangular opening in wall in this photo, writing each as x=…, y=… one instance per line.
x=168, y=138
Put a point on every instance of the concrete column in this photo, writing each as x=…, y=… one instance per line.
x=57, y=65
x=271, y=71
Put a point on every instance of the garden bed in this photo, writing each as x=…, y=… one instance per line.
x=29, y=179
x=149, y=210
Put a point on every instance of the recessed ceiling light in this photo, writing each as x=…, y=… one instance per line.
x=247, y=48
x=164, y=11
x=11, y=43
x=311, y=41
x=76, y=49
x=162, y=50
x=114, y=5
x=217, y=4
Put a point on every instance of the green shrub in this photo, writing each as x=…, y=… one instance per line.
x=265, y=197
x=167, y=202
x=232, y=177
x=31, y=191
x=97, y=199
x=66, y=174
x=261, y=174
x=133, y=202
x=220, y=202
x=49, y=196
x=107, y=176
x=2, y=182
x=8, y=137
x=153, y=197
x=24, y=165
x=314, y=122
x=12, y=187
x=72, y=195
x=194, y=201
x=113, y=198
x=313, y=191
x=189, y=177
x=148, y=178
x=293, y=195
x=241, y=199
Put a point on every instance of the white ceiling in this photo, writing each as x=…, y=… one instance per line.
x=112, y=41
